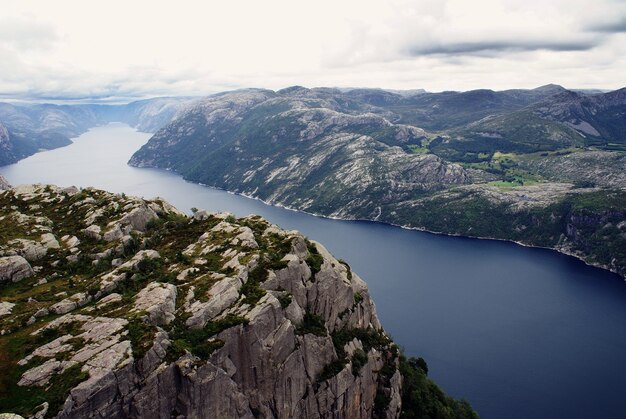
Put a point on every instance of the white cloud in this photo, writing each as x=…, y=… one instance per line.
x=145, y=48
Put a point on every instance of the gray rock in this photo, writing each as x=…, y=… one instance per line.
x=260, y=366
x=71, y=303
x=114, y=233
x=159, y=301
x=4, y=185
x=201, y=215
x=138, y=218
x=93, y=231
x=6, y=308
x=41, y=375
x=14, y=269
x=70, y=241
x=109, y=299
x=30, y=249
x=49, y=241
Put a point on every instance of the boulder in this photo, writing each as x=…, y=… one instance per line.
x=70, y=241
x=93, y=231
x=48, y=240
x=40, y=376
x=71, y=303
x=14, y=269
x=114, y=233
x=139, y=217
x=30, y=249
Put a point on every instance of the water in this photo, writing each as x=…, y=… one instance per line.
x=519, y=332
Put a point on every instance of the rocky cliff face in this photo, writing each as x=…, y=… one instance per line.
x=120, y=307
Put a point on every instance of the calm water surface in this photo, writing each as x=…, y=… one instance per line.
x=519, y=332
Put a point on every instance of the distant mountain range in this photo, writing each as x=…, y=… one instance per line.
x=27, y=128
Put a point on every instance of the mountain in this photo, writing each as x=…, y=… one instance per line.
x=27, y=128
x=114, y=306
x=566, y=119
x=274, y=147
x=496, y=166
x=599, y=118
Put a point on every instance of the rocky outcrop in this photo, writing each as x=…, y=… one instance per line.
x=208, y=316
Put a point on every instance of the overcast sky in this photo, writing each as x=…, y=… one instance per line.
x=131, y=48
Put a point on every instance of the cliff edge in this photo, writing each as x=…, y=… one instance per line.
x=115, y=306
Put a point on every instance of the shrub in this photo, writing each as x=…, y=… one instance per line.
x=312, y=323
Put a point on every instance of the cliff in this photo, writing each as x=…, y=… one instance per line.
x=114, y=306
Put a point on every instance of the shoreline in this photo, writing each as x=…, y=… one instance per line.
x=406, y=227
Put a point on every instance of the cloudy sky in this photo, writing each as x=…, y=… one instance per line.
x=128, y=49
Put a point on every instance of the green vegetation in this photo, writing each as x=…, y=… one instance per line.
x=285, y=300
x=312, y=323
x=314, y=260
x=25, y=400
x=594, y=216
x=422, y=398
x=141, y=336
x=198, y=341
x=252, y=288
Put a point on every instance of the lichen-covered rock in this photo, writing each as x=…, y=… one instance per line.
x=48, y=240
x=71, y=303
x=114, y=233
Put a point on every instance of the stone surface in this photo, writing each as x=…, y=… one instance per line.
x=93, y=231
x=138, y=218
x=14, y=269
x=159, y=301
x=31, y=250
x=71, y=303
x=6, y=308
x=49, y=241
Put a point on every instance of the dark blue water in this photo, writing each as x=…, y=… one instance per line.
x=519, y=332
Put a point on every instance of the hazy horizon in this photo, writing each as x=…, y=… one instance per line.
x=123, y=101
